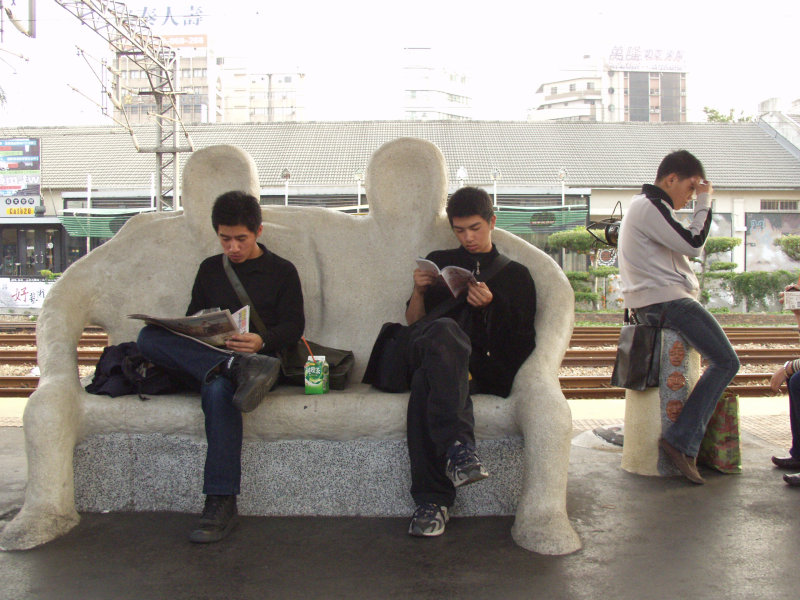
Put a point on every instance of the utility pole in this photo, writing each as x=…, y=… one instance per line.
x=131, y=36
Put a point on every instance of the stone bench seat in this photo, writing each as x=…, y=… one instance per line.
x=342, y=453
x=358, y=412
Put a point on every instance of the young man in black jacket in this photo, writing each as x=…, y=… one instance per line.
x=237, y=378
x=476, y=347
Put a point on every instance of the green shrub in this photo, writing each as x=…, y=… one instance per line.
x=790, y=244
x=577, y=275
x=721, y=266
x=603, y=271
x=576, y=240
x=757, y=288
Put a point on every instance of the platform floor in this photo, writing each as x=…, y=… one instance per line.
x=736, y=537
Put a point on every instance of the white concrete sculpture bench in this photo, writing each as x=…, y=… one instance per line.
x=343, y=453
x=649, y=413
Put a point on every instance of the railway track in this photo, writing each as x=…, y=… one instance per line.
x=24, y=334
x=590, y=347
x=574, y=357
x=574, y=387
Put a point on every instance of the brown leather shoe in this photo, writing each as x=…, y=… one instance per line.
x=793, y=480
x=789, y=462
x=685, y=464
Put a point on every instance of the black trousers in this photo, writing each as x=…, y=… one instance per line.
x=439, y=408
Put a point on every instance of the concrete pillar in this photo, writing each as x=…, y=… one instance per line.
x=652, y=411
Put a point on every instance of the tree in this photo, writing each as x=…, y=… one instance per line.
x=715, y=245
x=575, y=240
x=714, y=116
x=603, y=273
x=580, y=241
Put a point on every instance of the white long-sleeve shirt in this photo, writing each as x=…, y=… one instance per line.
x=654, y=247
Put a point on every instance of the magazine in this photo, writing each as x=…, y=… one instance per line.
x=456, y=278
x=210, y=326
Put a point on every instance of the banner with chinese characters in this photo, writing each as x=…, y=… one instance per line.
x=23, y=293
x=20, y=177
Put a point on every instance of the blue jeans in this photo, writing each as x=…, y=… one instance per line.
x=701, y=331
x=223, y=422
x=794, y=413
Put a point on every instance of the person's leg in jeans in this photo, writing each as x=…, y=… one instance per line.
x=223, y=424
x=173, y=351
x=439, y=407
x=794, y=413
x=704, y=333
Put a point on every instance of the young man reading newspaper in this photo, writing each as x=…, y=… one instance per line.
x=236, y=378
x=476, y=346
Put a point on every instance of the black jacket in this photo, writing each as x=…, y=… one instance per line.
x=273, y=285
x=503, y=334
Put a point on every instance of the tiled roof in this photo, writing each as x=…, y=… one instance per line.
x=735, y=155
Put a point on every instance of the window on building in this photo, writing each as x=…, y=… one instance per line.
x=572, y=87
x=554, y=90
x=780, y=205
x=590, y=85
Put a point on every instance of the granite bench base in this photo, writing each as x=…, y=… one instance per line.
x=157, y=472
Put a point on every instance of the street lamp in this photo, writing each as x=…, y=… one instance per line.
x=285, y=175
x=462, y=176
x=562, y=177
x=359, y=177
x=495, y=177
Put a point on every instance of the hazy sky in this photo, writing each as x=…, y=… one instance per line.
x=735, y=58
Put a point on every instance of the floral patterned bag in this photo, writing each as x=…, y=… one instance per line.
x=720, y=448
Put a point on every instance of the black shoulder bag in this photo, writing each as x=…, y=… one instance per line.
x=638, y=355
x=388, y=367
x=293, y=358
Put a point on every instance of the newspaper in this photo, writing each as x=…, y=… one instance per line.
x=456, y=278
x=210, y=326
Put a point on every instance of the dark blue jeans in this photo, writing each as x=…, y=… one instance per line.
x=439, y=406
x=794, y=413
x=701, y=331
x=223, y=422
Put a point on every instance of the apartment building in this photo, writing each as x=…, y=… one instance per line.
x=630, y=84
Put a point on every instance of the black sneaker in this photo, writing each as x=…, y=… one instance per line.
x=429, y=520
x=463, y=466
x=217, y=521
x=254, y=376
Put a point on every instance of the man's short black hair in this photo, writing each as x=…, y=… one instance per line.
x=469, y=201
x=236, y=208
x=683, y=163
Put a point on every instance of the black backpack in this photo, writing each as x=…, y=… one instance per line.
x=123, y=370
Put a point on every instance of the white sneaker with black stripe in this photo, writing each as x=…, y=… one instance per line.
x=463, y=466
x=429, y=520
